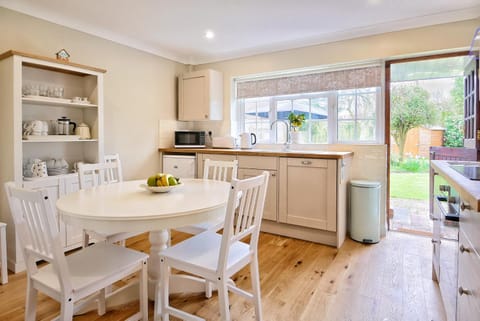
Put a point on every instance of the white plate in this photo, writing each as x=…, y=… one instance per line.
x=160, y=189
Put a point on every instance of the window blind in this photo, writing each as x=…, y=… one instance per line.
x=364, y=77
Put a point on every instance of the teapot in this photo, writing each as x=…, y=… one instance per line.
x=247, y=140
x=83, y=131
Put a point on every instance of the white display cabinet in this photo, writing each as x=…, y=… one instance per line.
x=19, y=71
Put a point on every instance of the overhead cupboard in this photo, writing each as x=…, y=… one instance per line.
x=43, y=90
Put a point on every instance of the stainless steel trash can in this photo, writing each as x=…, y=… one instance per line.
x=365, y=211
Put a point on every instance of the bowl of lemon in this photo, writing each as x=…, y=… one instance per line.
x=162, y=183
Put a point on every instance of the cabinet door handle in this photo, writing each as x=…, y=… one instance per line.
x=463, y=291
x=306, y=162
x=175, y=166
x=464, y=249
x=206, y=116
x=273, y=174
x=464, y=206
x=436, y=241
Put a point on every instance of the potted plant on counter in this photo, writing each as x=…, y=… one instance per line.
x=296, y=122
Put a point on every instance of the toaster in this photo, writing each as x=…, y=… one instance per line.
x=223, y=142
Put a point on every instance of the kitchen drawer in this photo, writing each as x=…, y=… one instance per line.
x=470, y=223
x=258, y=162
x=310, y=162
x=468, y=308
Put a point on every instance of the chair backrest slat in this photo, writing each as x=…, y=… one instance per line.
x=114, y=175
x=244, y=213
x=38, y=232
x=98, y=174
x=220, y=170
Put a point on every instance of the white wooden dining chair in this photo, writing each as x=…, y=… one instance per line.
x=91, y=175
x=219, y=171
x=68, y=279
x=216, y=257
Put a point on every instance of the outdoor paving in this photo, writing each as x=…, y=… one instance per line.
x=413, y=216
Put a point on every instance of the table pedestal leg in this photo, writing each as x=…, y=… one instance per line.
x=158, y=242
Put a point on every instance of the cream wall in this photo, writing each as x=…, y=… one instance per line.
x=140, y=88
x=369, y=161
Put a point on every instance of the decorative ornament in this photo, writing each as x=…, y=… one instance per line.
x=63, y=55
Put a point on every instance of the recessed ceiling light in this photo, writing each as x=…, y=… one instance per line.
x=209, y=34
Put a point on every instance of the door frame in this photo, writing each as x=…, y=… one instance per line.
x=388, y=64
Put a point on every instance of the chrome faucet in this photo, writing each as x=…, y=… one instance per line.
x=288, y=140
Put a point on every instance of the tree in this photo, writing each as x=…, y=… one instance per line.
x=410, y=108
x=453, y=136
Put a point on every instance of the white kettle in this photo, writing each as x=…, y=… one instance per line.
x=247, y=140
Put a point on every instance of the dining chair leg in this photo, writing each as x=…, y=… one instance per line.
x=144, y=292
x=162, y=294
x=66, y=313
x=86, y=239
x=3, y=254
x=208, y=289
x=255, y=276
x=223, y=301
x=101, y=306
x=30, y=302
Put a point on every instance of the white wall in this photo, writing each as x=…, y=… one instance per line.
x=140, y=88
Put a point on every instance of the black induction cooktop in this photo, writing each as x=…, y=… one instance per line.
x=469, y=171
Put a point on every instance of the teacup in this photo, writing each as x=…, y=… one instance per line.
x=35, y=127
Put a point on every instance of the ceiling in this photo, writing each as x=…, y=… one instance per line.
x=175, y=29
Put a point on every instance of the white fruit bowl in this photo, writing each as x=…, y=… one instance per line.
x=160, y=189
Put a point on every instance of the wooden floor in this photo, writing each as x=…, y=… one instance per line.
x=301, y=281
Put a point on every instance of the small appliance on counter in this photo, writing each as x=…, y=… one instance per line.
x=247, y=140
x=189, y=139
x=223, y=142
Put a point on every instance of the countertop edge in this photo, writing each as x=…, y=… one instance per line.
x=469, y=190
x=260, y=152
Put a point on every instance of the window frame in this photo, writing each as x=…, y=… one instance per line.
x=332, y=120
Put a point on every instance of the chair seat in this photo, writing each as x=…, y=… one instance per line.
x=202, y=227
x=202, y=251
x=112, y=238
x=91, y=265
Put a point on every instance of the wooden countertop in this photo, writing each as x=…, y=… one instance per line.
x=469, y=190
x=261, y=152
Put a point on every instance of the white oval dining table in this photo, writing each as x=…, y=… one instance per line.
x=129, y=207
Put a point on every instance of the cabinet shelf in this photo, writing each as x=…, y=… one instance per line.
x=47, y=101
x=56, y=139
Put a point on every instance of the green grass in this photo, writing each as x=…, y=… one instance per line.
x=409, y=185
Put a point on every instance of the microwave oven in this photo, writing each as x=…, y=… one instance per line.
x=189, y=139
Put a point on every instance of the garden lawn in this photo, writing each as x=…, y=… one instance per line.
x=409, y=185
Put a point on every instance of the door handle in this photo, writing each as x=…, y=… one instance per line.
x=464, y=206
x=463, y=291
x=464, y=249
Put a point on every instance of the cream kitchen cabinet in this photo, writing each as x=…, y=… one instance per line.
x=57, y=186
x=219, y=157
x=19, y=71
x=200, y=95
x=308, y=193
x=312, y=195
x=250, y=166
